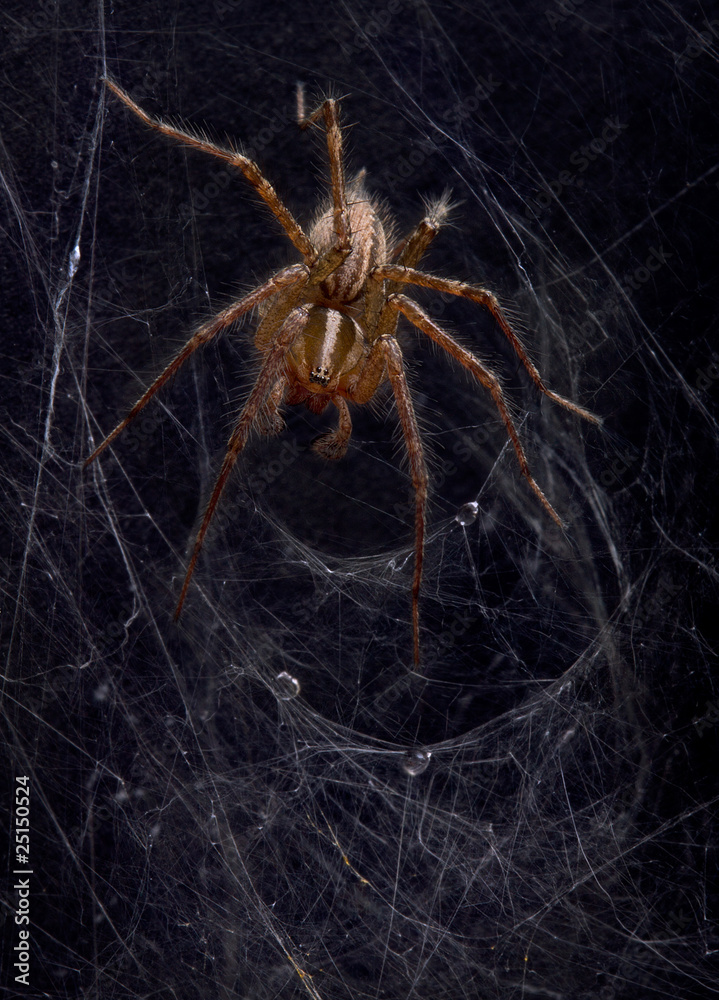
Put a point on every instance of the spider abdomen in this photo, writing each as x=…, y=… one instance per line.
x=369, y=245
x=330, y=349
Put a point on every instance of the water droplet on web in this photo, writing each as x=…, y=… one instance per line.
x=467, y=514
x=416, y=761
x=288, y=687
x=74, y=261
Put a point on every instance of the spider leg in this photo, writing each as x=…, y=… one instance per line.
x=385, y=358
x=328, y=110
x=484, y=376
x=249, y=168
x=407, y=254
x=269, y=420
x=414, y=247
x=295, y=275
x=407, y=275
x=278, y=310
x=333, y=445
x=395, y=370
x=270, y=373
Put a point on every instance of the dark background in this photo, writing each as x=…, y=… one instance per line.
x=266, y=800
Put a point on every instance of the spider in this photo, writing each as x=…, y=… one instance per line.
x=328, y=325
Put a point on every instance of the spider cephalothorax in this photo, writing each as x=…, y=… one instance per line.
x=328, y=329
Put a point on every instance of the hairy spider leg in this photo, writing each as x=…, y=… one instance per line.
x=265, y=395
x=484, y=376
x=333, y=445
x=408, y=254
x=413, y=248
x=272, y=367
x=328, y=110
x=281, y=281
x=407, y=275
x=385, y=358
x=270, y=421
x=418, y=469
x=249, y=168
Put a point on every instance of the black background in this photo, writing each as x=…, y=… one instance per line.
x=266, y=800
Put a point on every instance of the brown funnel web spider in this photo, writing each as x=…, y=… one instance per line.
x=328, y=326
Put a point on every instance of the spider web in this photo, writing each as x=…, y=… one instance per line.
x=266, y=800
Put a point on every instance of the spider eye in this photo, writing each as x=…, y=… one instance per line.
x=320, y=375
